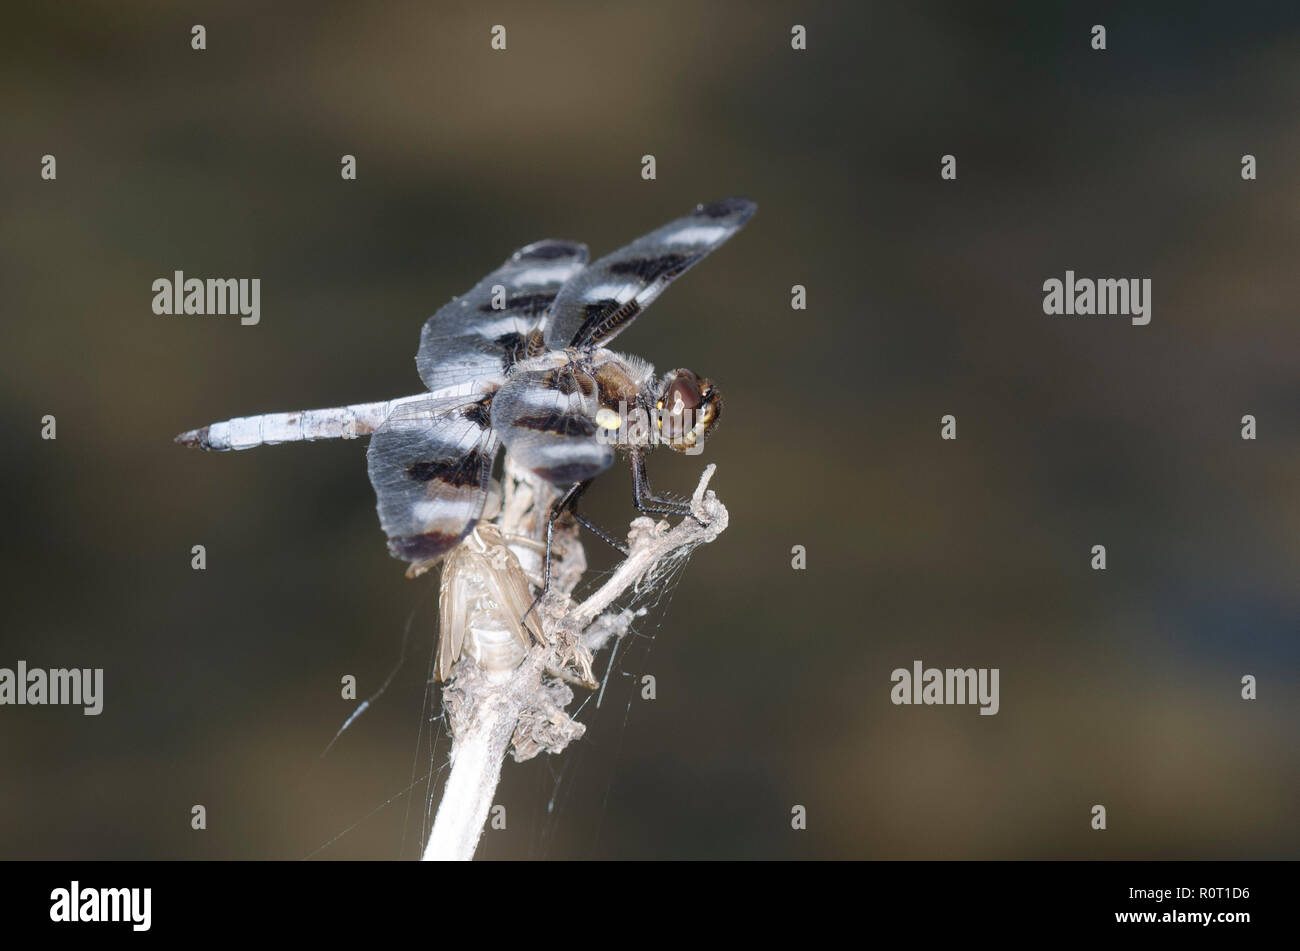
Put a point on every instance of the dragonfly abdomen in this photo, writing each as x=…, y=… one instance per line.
x=269, y=429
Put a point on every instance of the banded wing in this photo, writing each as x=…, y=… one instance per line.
x=431, y=465
x=546, y=418
x=603, y=299
x=483, y=332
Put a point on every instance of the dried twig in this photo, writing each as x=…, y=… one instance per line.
x=523, y=711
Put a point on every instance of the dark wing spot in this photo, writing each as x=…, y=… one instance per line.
x=425, y=547
x=649, y=269
x=561, y=424
x=467, y=470
x=725, y=207
x=531, y=305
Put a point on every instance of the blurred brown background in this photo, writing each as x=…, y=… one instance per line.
x=1120, y=688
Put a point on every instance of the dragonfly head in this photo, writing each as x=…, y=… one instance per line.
x=689, y=407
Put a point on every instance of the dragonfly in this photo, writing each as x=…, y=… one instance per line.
x=521, y=361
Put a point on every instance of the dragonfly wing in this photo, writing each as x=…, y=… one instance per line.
x=546, y=418
x=479, y=335
x=601, y=300
x=431, y=464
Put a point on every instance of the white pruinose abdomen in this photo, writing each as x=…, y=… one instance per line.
x=270, y=429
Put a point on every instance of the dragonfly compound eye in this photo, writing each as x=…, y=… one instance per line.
x=688, y=408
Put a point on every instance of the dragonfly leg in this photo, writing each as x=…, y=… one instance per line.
x=644, y=498
x=563, y=503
